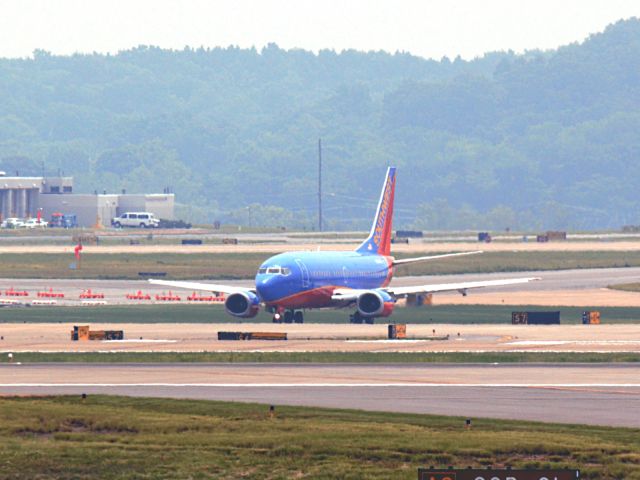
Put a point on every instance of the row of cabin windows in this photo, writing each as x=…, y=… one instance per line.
x=320, y=274
x=339, y=273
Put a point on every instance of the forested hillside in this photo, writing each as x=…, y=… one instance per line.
x=540, y=140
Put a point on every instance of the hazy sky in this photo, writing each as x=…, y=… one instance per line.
x=429, y=28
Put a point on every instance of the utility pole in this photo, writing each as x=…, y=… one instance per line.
x=319, y=184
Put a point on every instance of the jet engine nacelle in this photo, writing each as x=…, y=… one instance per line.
x=375, y=303
x=242, y=304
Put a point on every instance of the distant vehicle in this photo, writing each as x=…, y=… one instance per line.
x=164, y=223
x=12, y=223
x=35, y=223
x=63, y=220
x=136, y=219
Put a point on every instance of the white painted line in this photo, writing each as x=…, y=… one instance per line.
x=268, y=349
x=8, y=301
x=141, y=340
x=44, y=302
x=574, y=342
x=323, y=385
x=399, y=340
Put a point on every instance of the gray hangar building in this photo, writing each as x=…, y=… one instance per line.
x=22, y=197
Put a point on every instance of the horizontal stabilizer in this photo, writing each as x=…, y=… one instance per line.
x=404, y=261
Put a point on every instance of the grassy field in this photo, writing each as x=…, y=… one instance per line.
x=456, y=314
x=626, y=287
x=244, y=265
x=127, y=266
x=125, y=438
x=320, y=357
x=522, y=261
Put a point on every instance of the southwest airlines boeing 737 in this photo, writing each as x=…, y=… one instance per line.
x=291, y=282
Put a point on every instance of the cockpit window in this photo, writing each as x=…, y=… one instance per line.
x=275, y=270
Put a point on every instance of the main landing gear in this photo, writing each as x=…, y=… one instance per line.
x=359, y=318
x=288, y=316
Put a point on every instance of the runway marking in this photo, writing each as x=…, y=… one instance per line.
x=593, y=390
x=574, y=342
x=408, y=340
x=141, y=340
x=324, y=385
x=297, y=350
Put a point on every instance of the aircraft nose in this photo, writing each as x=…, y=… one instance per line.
x=266, y=287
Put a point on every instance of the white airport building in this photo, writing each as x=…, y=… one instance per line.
x=22, y=197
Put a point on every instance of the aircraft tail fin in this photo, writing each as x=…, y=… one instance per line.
x=379, y=239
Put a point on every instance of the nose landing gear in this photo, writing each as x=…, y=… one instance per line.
x=288, y=316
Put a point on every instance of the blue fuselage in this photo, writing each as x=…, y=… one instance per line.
x=308, y=279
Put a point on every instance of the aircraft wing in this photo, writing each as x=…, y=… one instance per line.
x=352, y=294
x=461, y=287
x=207, y=287
x=403, y=261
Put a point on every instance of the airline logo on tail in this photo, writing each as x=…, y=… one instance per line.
x=384, y=210
x=379, y=240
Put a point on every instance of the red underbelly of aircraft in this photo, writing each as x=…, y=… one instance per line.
x=314, y=298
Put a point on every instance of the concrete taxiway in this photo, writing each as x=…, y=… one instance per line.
x=317, y=337
x=586, y=278
x=276, y=245
x=606, y=394
x=564, y=287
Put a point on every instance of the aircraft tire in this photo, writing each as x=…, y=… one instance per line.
x=288, y=316
x=298, y=317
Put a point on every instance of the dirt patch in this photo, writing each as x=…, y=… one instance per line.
x=603, y=297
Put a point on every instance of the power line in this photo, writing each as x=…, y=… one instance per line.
x=319, y=184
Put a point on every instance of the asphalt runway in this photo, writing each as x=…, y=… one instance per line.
x=300, y=237
x=550, y=280
x=579, y=279
x=273, y=245
x=602, y=394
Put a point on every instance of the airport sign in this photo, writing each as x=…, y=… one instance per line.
x=496, y=474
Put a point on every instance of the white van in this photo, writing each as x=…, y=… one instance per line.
x=12, y=223
x=32, y=223
x=136, y=219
